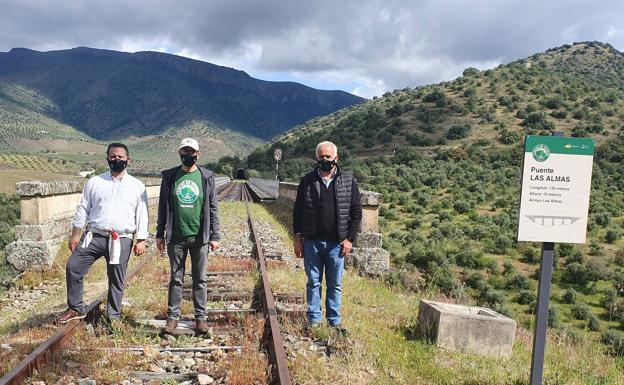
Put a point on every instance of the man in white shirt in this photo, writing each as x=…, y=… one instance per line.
x=113, y=208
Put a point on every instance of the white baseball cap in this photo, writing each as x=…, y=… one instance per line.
x=189, y=142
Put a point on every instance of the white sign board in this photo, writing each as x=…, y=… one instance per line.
x=556, y=181
x=277, y=154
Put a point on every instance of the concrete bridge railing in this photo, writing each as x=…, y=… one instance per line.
x=368, y=255
x=47, y=209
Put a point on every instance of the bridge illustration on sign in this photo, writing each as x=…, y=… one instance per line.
x=550, y=221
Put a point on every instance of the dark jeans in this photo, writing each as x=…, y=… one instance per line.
x=178, y=250
x=79, y=264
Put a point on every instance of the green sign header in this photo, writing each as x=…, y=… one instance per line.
x=543, y=146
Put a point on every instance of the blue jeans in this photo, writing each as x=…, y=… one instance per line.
x=318, y=256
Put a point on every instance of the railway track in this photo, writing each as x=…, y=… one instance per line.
x=244, y=342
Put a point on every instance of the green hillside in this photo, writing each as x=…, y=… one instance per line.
x=447, y=159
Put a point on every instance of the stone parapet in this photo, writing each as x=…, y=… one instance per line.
x=370, y=200
x=288, y=190
x=367, y=255
x=472, y=329
x=37, y=188
x=47, y=209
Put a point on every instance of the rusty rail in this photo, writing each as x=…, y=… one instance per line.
x=281, y=374
x=277, y=354
x=44, y=351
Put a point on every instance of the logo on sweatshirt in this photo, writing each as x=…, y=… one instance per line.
x=187, y=192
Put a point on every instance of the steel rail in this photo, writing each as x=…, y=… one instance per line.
x=281, y=374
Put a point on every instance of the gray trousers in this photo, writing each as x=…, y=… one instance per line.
x=79, y=264
x=177, y=251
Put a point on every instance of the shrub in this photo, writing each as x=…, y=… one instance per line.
x=603, y=219
x=508, y=268
x=526, y=297
x=434, y=96
x=491, y=297
x=593, y=324
x=461, y=206
x=612, y=235
x=531, y=255
x=575, y=273
x=614, y=340
x=569, y=296
x=458, y=132
x=580, y=311
x=554, y=320
x=517, y=281
x=565, y=249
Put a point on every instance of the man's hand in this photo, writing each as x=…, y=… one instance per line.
x=161, y=244
x=139, y=247
x=74, y=239
x=346, y=247
x=214, y=245
x=298, y=247
x=73, y=242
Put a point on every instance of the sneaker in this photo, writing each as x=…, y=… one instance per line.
x=341, y=330
x=201, y=326
x=170, y=326
x=70, y=314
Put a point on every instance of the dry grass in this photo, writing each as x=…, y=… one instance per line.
x=221, y=263
x=250, y=366
x=22, y=344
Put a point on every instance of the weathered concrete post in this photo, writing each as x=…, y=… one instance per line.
x=368, y=255
x=46, y=212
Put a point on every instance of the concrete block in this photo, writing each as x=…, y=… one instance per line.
x=43, y=232
x=465, y=328
x=370, y=219
x=33, y=255
x=370, y=198
x=373, y=261
x=368, y=240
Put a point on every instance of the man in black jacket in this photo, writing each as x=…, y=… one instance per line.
x=326, y=220
x=187, y=223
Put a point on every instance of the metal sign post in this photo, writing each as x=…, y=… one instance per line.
x=554, y=202
x=541, y=316
x=277, y=154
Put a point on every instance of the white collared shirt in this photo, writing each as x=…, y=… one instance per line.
x=114, y=204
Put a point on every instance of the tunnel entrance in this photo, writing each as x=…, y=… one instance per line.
x=241, y=174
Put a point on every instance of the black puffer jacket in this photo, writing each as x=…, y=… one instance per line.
x=348, y=205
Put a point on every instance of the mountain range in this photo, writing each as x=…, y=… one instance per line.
x=85, y=93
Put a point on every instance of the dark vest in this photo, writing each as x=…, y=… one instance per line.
x=312, y=190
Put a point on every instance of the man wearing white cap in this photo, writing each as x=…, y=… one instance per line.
x=188, y=223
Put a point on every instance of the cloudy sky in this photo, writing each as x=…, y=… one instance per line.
x=361, y=46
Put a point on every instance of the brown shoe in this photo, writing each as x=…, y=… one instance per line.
x=70, y=314
x=170, y=326
x=201, y=326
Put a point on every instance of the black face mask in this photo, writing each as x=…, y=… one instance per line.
x=326, y=165
x=117, y=165
x=188, y=159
